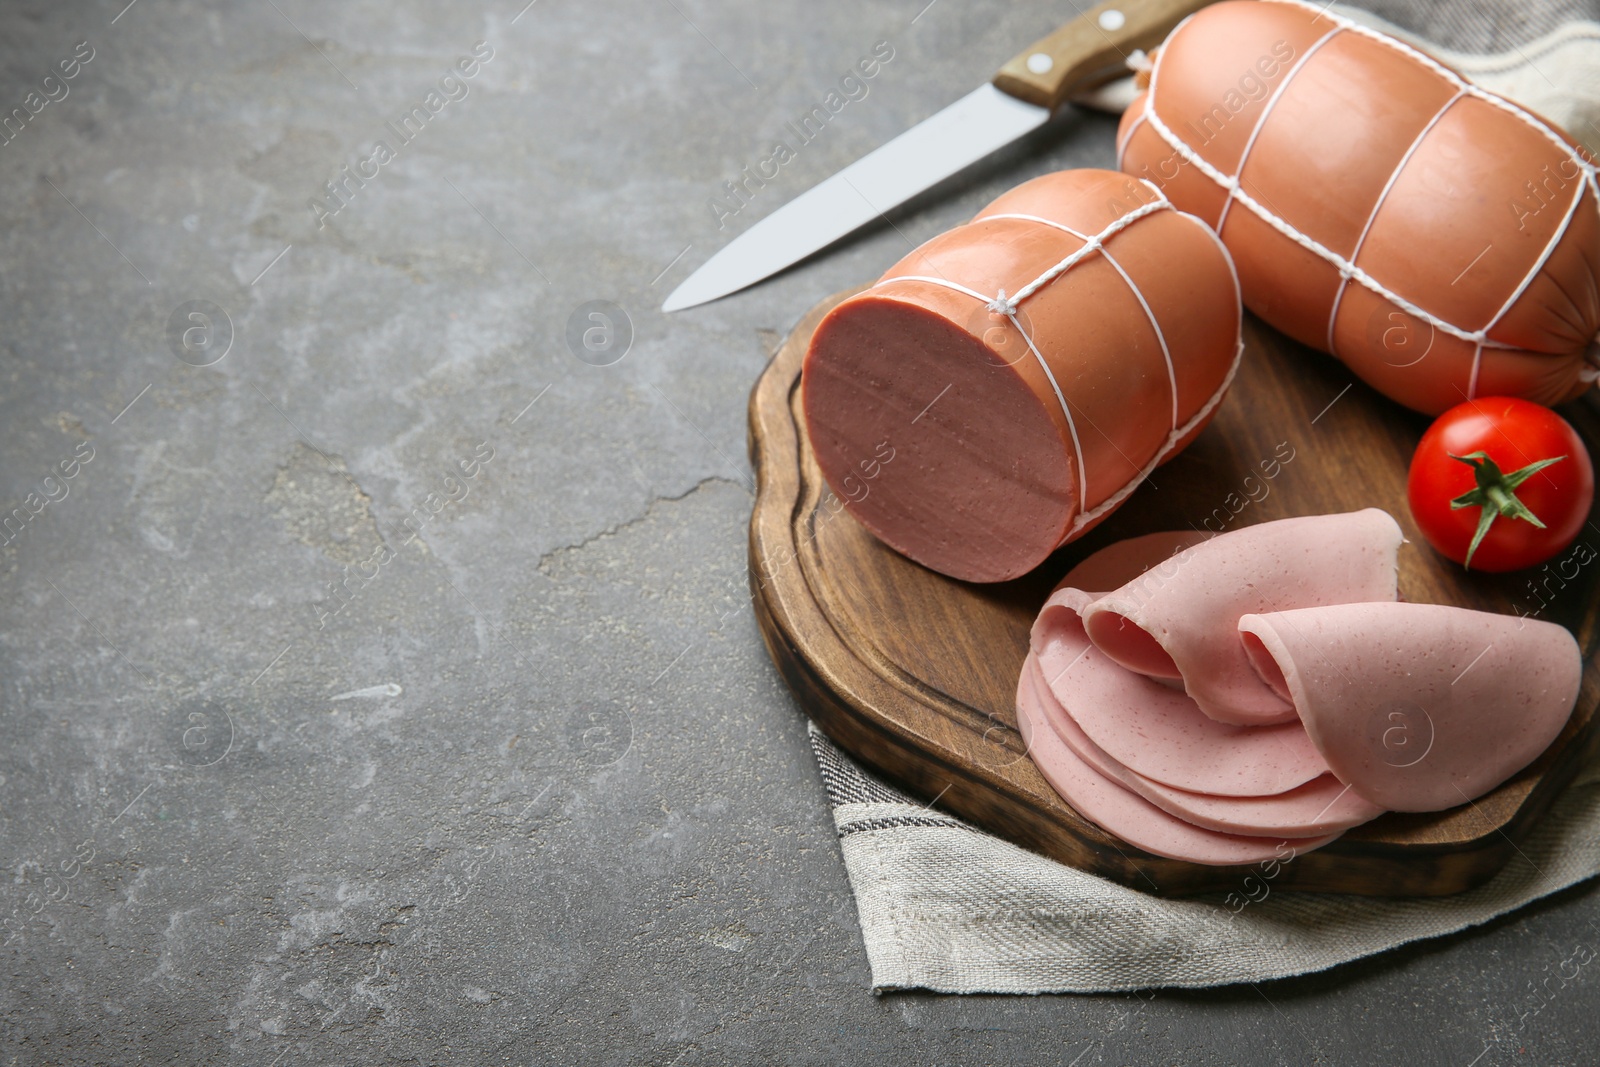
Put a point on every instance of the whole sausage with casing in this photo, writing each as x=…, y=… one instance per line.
x=1008, y=384
x=1440, y=240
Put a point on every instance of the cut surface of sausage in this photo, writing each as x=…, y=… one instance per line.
x=1007, y=385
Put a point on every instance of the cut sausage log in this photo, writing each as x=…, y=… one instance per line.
x=1440, y=240
x=1007, y=385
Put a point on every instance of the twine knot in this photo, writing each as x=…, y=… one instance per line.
x=1001, y=304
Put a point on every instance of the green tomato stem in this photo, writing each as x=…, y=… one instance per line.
x=1495, y=494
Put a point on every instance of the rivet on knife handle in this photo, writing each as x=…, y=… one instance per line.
x=1090, y=50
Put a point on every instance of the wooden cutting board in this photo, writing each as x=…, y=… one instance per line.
x=915, y=674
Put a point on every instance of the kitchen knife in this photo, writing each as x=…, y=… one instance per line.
x=1087, y=52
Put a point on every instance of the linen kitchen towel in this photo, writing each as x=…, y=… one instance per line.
x=947, y=907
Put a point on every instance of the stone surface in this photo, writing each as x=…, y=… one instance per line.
x=386, y=690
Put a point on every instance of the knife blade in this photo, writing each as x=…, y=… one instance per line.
x=1088, y=51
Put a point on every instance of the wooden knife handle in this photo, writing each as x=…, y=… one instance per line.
x=1091, y=49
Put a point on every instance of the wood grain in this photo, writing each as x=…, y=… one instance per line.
x=1092, y=49
x=915, y=674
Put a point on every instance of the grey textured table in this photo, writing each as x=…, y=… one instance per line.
x=386, y=690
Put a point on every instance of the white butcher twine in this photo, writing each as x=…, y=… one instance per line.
x=1092, y=243
x=1348, y=271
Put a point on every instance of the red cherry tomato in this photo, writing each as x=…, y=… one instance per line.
x=1500, y=484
